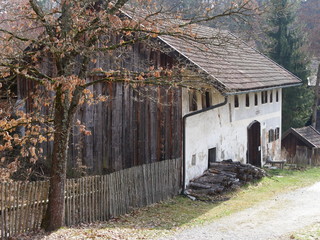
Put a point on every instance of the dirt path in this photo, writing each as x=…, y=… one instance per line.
x=271, y=219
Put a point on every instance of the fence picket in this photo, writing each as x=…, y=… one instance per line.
x=98, y=190
x=5, y=210
x=72, y=202
x=39, y=206
x=2, y=211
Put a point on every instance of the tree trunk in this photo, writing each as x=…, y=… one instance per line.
x=55, y=213
x=315, y=101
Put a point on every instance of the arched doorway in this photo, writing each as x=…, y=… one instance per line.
x=254, y=144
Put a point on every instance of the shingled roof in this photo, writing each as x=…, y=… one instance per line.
x=230, y=63
x=308, y=135
x=233, y=63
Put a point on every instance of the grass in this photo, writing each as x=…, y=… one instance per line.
x=179, y=213
x=310, y=233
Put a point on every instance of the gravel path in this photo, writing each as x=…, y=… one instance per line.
x=271, y=219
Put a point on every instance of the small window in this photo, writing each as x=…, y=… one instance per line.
x=193, y=101
x=277, y=96
x=256, y=99
x=247, y=100
x=271, y=135
x=206, y=100
x=194, y=160
x=271, y=96
x=236, y=101
x=212, y=155
x=264, y=97
x=276, y=133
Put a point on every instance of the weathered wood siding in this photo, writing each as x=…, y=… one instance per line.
x=136, y=125
x=304, y=156
x=290, y=144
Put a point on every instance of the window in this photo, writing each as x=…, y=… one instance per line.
x=194, y=160
x=236, y=101
x=193, y=101
x=212, y=156
x=206, y=100
x=256, y=99
x=247, y=100
x=277, y=96
x=271, y=96
x=276, y=133
x=264, y=97
x=271, y=135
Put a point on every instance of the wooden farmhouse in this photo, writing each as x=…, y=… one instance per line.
x=239, y=118
x=230, y=108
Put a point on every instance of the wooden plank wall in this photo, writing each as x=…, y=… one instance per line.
x=304, y=156
x=89, y=199
x=134, y=127
x=137, y=125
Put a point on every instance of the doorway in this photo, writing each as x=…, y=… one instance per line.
x=212, y=156
x=254, y=144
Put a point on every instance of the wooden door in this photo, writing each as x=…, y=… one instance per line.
x=254, y=144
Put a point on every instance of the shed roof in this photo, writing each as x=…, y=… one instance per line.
x=308, y=134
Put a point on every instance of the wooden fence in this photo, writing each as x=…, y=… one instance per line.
x=305, y=156
x=89, y=199
x=22, y=206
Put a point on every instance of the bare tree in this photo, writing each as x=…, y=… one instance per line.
x=54, y=48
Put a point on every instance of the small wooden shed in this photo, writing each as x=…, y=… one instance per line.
x=301, y=146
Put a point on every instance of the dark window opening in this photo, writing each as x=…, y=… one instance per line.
x=236, y=101
x=206, y=100
x=264, y=97
x=256, y=99
x=276, y=133
x=247, y=100
x=271, y=96
x=194, y=160
x=271, y=135
x=277, y=96
x=212, y=156
x=193, y=106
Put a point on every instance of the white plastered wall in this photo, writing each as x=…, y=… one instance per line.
x=225, y=128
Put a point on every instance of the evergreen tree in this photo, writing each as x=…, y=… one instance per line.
x=284, y=47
